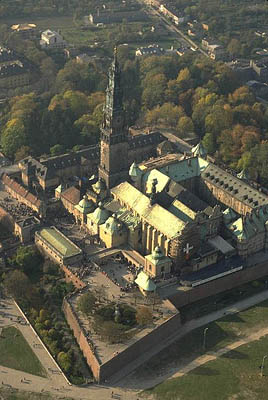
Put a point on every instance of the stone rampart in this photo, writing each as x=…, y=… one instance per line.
x=216, y=286
x=102, y=372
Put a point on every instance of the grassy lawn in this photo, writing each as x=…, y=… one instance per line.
x=234, y=376
x=16, y=353
x=22, y=395
x=19, y=395
x=219, y=334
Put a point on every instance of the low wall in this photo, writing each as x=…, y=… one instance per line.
x=81, y=339
x=104, y=371
x=70, y=277
x=223, y=284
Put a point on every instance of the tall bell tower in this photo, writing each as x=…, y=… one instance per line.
x=113, y=168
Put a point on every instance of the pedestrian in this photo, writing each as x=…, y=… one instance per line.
x=112, y=395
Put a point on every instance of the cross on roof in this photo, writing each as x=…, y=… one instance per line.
x=186, y=250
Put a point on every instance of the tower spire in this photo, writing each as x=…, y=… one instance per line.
x=113, y=166
x=113, y=109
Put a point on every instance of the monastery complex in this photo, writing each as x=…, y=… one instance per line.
x=185, y=227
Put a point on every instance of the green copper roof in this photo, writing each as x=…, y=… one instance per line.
x=113, y=225
x=157, y=257
x=243, y=175
x=155, y=215
x=229, y=215
x=85, y=205
x=144, y=282
x=128, y=218
x=60, y=242
x=99, y=186
x=247, y=227
x=134, y=171
x=59, y=189
x=185, y=169
x=100, y=215
x=199, y=150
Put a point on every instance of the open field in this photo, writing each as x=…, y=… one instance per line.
x=21, y=395
x=16, y=353
x=74, y=34
x=219, y=334
x=233, y=376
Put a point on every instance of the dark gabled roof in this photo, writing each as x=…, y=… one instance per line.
x=191, y=201
x=234, y=186
x=153, y=138
x=20, y=190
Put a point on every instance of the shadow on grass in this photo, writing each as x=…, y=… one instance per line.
x=232, y=318
x=202, y=370
x=235, y=355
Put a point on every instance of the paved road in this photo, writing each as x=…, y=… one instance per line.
x=171, y=27
x=130, y=382
x=55, y=382
x=211, y=355
x=126, y=388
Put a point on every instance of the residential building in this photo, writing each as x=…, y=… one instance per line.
x=151, y=50
x=52, y=40
x=25, y=31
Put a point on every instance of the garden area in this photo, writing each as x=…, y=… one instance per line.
x=39, y=287
x=112, y=322
x=16, y=353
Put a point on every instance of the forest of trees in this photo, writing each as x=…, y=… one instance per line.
x=33, y=8
x=197, y=94
x=189, y=94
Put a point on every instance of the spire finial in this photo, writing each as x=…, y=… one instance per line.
x=115, y=55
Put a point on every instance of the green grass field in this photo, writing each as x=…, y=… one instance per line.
x=16, y=353
x=234, y=376
x=220, y=333
x=20, y=395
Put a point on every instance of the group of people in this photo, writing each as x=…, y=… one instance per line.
x=17, y=210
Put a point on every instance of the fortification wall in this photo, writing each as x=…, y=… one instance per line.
x=119, y=362
x=81, y=339
x=211, y=288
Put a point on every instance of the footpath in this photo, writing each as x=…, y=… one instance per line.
x=130, y=380
x=122, y=387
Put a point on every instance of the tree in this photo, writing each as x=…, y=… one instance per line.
x=18, y=285
x=13, y=137
x=242, y=95
x=57, y=149
x=144, y=315
x=185, y=125
x=86, y=303
x=110, y=331
x=22, y=152
x=64, y=361
x=209, y=143
x=28, y=259
x=234, y=47
x=43, y=315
